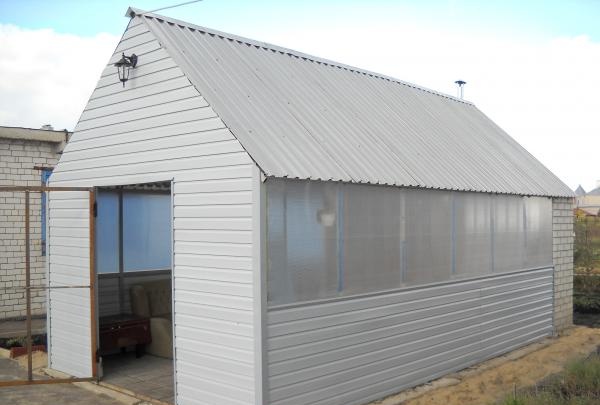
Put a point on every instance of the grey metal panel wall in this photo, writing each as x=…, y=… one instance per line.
x=159, y=128
x=303, y=117
x=351, y=351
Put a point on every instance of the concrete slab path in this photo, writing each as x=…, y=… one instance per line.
x=53, y=394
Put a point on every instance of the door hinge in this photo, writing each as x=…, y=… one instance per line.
x=95, y=213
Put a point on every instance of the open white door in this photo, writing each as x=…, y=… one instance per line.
x=71, y=280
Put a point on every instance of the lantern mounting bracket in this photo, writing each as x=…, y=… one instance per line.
x=123, y=66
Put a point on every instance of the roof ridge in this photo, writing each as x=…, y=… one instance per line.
x=132, y=12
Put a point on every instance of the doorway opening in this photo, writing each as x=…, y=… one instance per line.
x=134, y=289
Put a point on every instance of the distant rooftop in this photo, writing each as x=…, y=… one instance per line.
x=580, y=191
x=33, y=134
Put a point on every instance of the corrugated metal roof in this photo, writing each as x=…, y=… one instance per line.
x=300, y=116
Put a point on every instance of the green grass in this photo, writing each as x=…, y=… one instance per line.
x=579, y=384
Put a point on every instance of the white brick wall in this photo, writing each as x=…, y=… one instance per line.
x=563, y=238
x=17, y=159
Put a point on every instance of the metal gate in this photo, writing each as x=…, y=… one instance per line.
x=52, y=286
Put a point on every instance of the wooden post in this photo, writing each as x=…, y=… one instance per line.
x=28, y=287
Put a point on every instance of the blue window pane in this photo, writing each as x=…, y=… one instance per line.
x=107, y=232
x=146, y=231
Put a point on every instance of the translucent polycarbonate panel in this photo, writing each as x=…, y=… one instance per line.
x=330, y=239
x=302, y=240
x=472, y=234
x=428, y=236
x=538, y=232
x=146, y=231
x=509, y=233
x=107, y=232
x=372, y=224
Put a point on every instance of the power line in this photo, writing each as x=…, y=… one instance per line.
x=176, y=5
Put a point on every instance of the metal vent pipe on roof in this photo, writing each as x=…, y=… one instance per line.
x=461, y=85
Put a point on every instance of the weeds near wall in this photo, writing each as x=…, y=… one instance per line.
x=587, y=245
x=579, y=384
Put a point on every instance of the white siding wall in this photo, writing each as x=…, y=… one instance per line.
x=160, y=128
x=69, y=265
x=354, y=350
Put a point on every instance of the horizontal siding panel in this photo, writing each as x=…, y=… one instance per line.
x=68, y=213
x=215, y=325
x=212, y=312
x=241, y=370
x=214, y=249
x=430, y=304
x=176, y=102
x=168, y=118
x=244, y=396
x=239, y=158
x=69, y=239
x=209, y=347
x=410, y=320
x=200, y=394
x=213, y=211
x=112, y=110
x=81, y=234
x=133, y=31
x=357, y=342
x=134, y=39
x=225, y=262
x=180, y=152
x=213, y=186
x=128, y=98
x=210, y=198
x=216, y=287
x=223, y=377
x=359, y=349
x=62, y=262
x=223, y=236
x=215, y=300
x=215, y=274
x=67, y=223
x=202, y=130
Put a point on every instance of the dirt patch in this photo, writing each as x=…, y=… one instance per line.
x=492, y=380
x=39, y=360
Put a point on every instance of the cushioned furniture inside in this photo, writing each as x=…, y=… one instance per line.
x=152, y=300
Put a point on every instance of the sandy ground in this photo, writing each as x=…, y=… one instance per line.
x=39, y=360
x=481, y=385
x=492, y=380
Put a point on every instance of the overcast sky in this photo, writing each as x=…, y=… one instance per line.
x=531, y=66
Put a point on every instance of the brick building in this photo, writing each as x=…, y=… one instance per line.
x=27, y=157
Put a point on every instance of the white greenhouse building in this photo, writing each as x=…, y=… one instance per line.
x=269, y=227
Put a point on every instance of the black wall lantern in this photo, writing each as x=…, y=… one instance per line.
x=124, y=65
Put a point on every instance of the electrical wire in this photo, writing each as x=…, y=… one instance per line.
x=176, y=5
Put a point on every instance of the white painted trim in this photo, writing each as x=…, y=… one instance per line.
x=172, y=180
x=47, y=259
x=259, y=287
